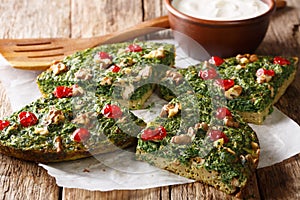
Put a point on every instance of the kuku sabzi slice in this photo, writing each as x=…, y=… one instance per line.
x=220, y=149
x=249, y=84
x=67, y=127
x=104, y=66
x=253, y=84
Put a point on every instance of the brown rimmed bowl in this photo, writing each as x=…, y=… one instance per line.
x=220, y=38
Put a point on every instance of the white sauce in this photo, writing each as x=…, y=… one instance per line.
x=221, y=9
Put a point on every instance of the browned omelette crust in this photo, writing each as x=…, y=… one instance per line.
x=47, y=156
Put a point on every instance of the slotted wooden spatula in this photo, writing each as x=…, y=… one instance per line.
x=38, y=54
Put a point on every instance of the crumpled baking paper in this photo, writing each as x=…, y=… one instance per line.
x=279, y=138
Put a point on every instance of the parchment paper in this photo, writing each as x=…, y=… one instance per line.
x=279, y=138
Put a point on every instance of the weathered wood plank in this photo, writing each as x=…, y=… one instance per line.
x=155, y=193
x=34, y=18
x=24, y=180
x=90, y=18
x=24, y=19
x=154, y=9
x=281, y=181
x=199, y=191
x=279, y=39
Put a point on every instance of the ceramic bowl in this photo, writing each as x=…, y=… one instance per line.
x=220, y=38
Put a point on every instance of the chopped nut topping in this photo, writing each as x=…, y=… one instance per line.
x=233, y=92
x=77, y=91
x=55, y=116
x=249, y=158
x=246, y=58
x=84, y=119
x=254, y=145
x=219, y=143
x=83, y=74
x=170, y=110
x=253, y=58
x=58, y=144
x=193, y=130
x=181, y=139
x=158, y=53
x=263, y=78
x=202, y=125
x=106, y=81
x=58, y=67
x=127, y=70
x=257, y=153
x=229, y=150
x=229, y=121
x=238, y=67
x=103, y=63
x=41, y=130
x=125, y=62
x=176, y=76
x=198, y=160
x=206, y=64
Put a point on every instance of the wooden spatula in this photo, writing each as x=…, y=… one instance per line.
x=38, y=54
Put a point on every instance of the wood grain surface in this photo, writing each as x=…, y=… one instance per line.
x=85, y=18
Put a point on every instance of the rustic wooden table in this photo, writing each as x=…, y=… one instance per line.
x=85, y=18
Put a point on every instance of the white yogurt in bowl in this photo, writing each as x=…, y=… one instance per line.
x=221, y=10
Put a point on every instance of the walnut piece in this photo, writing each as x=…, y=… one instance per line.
x=170, y=110
x=83, y=74
x=176, y=76
x=233, y=92
x=41, y=130
x=202, y=125
x=246, y=58
x=263, y=78
x=106, y=81
x=193, y=130
x=198, y=160
x=77, y=91
x=55, y=116
x=158, y=53
x=181, y=139
x=84, y=118
x=254, y=145
x=229, y=121
x=229, y=150
x=103, y=63
x=58, y=67
x=58, y=144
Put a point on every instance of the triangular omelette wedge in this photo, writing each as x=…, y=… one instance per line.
x=77, y=116
x=197, y=136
